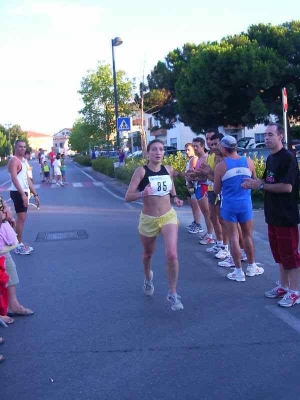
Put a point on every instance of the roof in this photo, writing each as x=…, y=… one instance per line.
x=38, y=134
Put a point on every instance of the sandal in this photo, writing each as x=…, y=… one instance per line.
x=8, y=320
x=2, y=359
x=21, y=312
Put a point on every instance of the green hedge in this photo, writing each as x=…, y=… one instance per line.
x=104, y=165
x=4, y=162
x=178, y=162
x=83, y=160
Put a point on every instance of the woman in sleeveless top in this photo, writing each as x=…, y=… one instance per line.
x=153, y=183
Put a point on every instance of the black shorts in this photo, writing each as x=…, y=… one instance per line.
x=213, y=199
x=18, y=202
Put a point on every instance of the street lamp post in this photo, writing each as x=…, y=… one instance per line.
x=116, y=42
x=8, y=129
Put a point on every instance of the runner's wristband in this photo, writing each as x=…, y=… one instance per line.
x=173, y=195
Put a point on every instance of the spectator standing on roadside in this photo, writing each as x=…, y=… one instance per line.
x=14, y=307
x=281, y=195
x=236, y=207
x=52, y=157
x=19, y=189
x=57, y=170
x=121, y=158
x=63, y=169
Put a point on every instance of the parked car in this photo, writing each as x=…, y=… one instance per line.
x=245, y=142
x=261, y=145
x=252, y=153
x=135, y=154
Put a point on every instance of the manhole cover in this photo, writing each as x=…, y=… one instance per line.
x=63, y=235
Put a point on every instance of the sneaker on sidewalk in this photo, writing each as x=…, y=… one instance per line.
x=174, y=299
x=207, y=240
x=290, y=299
x=253, y=270
x=276, y=292
x=243, y=256
x=214, y=249
x=227, y=263
x=22, y=250
x=195, y=229
x=148, y=286
x=237, y=275
x=222, y=254
x=27, y=247
x=191, y=225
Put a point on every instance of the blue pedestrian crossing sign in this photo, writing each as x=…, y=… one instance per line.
x=124, y=124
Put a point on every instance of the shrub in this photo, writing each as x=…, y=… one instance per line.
x=104, y=165
x=178, y=163
x=83, y=160
x=260, y=166
x=4, y=162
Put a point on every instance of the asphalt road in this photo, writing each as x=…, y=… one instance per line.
x=95, y=335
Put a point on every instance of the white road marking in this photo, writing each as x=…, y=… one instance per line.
x=285, y=316
x=77, y=184
x=37, y=185
x=93, y=179
x=100, y=184
x=117, y=197
x=5, y=183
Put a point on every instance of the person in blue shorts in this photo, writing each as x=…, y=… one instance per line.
x=236, y=205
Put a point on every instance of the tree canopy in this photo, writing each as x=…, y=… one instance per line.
x=236, y=81
x=97, y=91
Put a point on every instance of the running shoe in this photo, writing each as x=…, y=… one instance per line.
x=222, y=254
x=214, y=249
x=244, y=256
x=22, y=250
x=191, y=225
x=276, y=292
x=196, y=228
x=27, y=247
x=237, y=275
x=253, y=270
x=148, y=286
x=290, y=299
x=207, y=240
x=174, y=299
x=227, y=263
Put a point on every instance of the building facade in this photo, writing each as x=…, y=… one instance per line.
x=38, y=141
x=61, y=141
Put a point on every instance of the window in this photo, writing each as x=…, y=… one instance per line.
x=61, y=145
x=150, y=123
x=173, y=142
x=55, y=144
x=259, y=137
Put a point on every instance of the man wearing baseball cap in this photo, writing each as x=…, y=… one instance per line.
x=236, y=207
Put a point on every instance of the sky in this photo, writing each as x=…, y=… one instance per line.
x=47, y=47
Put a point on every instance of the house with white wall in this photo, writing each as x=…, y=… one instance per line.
x=61, y=140
x=181, y=134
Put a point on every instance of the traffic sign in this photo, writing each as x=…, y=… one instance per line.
x=124, y=124
x=284, y=100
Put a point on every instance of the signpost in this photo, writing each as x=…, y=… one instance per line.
x=124, y=124
x=285, y=108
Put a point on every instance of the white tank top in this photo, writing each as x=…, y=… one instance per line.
x=22, y=177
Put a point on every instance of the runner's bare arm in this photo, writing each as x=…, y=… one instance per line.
x=132, y=194
x=219, y=172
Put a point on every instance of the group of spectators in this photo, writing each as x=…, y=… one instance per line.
x=219, y=184
x=11, y=236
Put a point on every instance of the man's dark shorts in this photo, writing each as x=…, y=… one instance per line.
x=284, y=241
x=213, y=199
x=18, y=201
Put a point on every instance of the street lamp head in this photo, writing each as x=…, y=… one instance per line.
x=117, y=41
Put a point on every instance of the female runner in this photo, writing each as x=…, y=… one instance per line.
x=154, y=184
